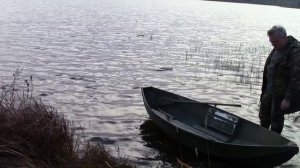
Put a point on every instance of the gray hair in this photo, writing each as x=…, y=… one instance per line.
x=278, y=31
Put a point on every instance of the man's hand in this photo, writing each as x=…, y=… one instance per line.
x=285, y=105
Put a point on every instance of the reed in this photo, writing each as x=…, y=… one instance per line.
x=239, y=64
x=33, y=134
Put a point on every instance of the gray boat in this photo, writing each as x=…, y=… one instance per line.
x=208, y=129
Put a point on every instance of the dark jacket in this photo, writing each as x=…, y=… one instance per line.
x=286, y=78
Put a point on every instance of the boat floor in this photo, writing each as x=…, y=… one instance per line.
x=194, y=120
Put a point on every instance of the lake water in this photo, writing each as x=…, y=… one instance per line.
x=89, y=59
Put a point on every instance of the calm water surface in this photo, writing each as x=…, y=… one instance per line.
x=89, y=59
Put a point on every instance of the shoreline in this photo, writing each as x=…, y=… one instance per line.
x=287, y=3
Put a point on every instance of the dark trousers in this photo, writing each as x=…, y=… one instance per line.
x=270, y=113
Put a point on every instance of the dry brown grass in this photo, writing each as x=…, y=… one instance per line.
x=33, y=134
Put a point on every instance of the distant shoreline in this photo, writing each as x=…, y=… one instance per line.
x=285, y=3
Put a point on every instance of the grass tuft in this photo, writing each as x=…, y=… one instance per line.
x=33, y=134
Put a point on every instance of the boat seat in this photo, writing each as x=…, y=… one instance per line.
x=222, y=122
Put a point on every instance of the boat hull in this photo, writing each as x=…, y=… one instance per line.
x=251, y=155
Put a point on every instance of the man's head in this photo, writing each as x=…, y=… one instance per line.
x=278, y=37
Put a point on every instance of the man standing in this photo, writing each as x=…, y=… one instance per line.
x=281, y=80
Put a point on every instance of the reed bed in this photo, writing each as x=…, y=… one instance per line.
x=235, y=64
x=33, y=134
